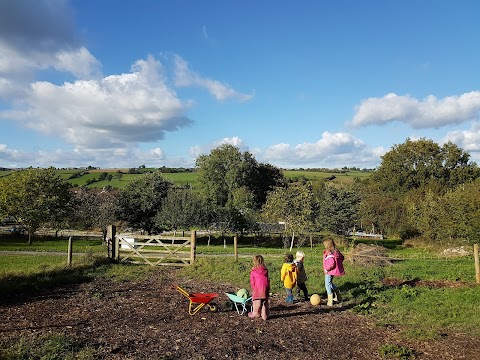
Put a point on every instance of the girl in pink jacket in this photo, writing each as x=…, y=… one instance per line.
x=332, y=266
x=260, y=284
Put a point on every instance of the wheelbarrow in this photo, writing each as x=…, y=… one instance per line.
x=198, y=300
x=241, y=304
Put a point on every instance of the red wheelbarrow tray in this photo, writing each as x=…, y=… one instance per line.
x=200, y=299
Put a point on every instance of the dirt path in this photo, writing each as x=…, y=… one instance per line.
x=149, y=320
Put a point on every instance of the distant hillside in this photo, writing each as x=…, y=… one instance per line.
x=119, y=178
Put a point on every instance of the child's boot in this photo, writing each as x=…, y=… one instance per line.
x=289, y=299
x=337, y=297
x=329, y=299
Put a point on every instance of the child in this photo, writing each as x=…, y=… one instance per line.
x=332, y=266
x=302, y=276
x=288, y=275
x=260, y=284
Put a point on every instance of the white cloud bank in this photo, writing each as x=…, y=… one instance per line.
x=430, y=112
x=111, y=112
x=332, y=150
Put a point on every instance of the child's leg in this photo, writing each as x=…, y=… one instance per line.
x=303, y=287
x=289, y=295
x=256, y=304
x=265, y=309
x=329, y=284
x=329, y=287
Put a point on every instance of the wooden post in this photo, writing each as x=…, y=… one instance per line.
x=69, y=254
x=311, y=242
x=477, y=264
x=193, y=246
x=115, y=248
x=235, y=248
x=111, y=232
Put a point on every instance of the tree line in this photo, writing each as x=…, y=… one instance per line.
x=420, y=190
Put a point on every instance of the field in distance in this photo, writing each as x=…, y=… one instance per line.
x=119, y=178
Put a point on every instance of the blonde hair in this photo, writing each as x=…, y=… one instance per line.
x=329, y=244
x=300, y=255
x=258, y=261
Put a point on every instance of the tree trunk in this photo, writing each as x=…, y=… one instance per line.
x=293, y=238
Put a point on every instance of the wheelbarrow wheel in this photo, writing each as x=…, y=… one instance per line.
x=213, y=307
x=228, y=306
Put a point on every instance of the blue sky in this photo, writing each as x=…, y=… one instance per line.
x=124, y=83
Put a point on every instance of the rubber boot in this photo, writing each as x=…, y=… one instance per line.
x=289, y=299
x=336, y=295
x=329, y=299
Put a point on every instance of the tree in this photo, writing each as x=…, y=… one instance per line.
x=96, y=208
x=141, y=199
x=337, y=209
x=35, y=197
x=181, y=209
x=381, y=209
x=292, y=205
x=227, y=169
x=451, y=218
x=415, y=164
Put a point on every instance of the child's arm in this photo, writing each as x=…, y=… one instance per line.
x=329, y=263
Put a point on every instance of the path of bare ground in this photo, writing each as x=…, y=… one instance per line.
x=149, y=320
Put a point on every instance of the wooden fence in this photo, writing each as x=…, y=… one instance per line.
x=154, y=250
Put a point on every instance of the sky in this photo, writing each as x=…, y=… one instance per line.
x=299, y=84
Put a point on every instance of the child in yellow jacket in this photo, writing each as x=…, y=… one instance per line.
x=288, y=275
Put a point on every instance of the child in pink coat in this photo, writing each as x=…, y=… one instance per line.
x=260, y=284
x=332, y=266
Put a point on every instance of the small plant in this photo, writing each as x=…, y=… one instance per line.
x=394, y=351
x=53, y=346
x=363, y=309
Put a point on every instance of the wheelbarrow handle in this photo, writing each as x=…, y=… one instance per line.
x=181, y=291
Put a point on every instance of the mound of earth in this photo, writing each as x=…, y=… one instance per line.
x=368, y=255
x=149, y=319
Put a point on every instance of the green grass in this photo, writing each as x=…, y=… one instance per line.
x=119, y=181
x=340, y=178
x=51, y=346
x=16, y=265
x=182, y=179
x=15, y=243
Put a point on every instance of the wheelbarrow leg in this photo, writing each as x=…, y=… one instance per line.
x=196, y=309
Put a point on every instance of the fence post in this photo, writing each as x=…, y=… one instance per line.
x=235, y=247
x=115, y=248
x=193, y=246
x=69, y=254
x=477, y=264
x=111, y=232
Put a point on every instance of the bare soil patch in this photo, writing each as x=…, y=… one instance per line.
x=149, y=319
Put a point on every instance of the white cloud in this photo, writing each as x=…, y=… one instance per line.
x=332, y=150
x=110, y=112
x=185, y=77
x=468, y=140
x=428, y=113
x=197, y=150
x=78, y=62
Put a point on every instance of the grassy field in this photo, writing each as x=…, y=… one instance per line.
x=120, y=180
x=340, y=178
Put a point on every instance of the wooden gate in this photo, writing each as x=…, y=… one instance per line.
x=154, y=250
